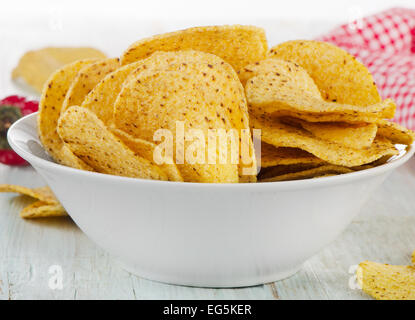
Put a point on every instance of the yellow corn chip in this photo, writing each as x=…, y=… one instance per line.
x=282, y=169
x=102, y=98
x=49, y=111
x=284, y=71
x=310, y=173
x=237, y=45
x=224, y=87
x=66, y=55
x=281, y=135
x=363, y=167
x=174, y=86
x=387, y=282
x=394, y=132
x=36, y=66
x=226, y=91
x=272, y=156
x=86, y=79
x=145, y=150
x=43, y=194
x=326, y=117
x=88, y=138
x=40, y=209
x=195, y=87
x=338, y=75
x=356, y=136
x=413, y=258
x=268, y=94
x=373, y=164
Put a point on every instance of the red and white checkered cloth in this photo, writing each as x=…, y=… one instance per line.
x=385, y=43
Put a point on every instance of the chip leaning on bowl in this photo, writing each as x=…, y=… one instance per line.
x=318, y=109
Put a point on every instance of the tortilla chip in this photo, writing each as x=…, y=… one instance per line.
x=387, y=282
x=272, y=156
x=394, y=132
x=413, y=258
x=40, y=209
x=145, y=150
x=35, y=67
x=282, y=135
x=89, y=139
x=49, y=111
x=285, y=71
x=237, y=45
x=338, y=75
x=86, y=80
x=357, y=136
x=194, y=87
x=269, y=94
x=309, y=173
x=281, y=169
x=224, y=80
x=43, y=194
x=102, y=98
x=66, y=55
x=196, y=114
x=363, y=167
x=373, y=164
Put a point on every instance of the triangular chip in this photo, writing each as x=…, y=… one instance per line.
x=272, y=156
x=226, y=90
x=49, y=111
x=330, y=117
x=268, y=93
x=40, y=209
x=43, y=194
x=237, y=45
x=86, y=79
x=219, y=79
x=357, y=136
x=195, y=87
x=338, y=75
x=395, y=132
x=145, y=149
x=387, y=282
x=309, y=173
x=282, y=135
x=36, y=66
x=102, y=98
x=286, y=71
x=90, y=140
x=282, y=169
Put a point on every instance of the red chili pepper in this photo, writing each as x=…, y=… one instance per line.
x=12, y=108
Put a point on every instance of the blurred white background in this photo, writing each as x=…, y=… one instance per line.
x=112, y=25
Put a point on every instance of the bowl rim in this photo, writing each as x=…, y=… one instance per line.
x=293, y=184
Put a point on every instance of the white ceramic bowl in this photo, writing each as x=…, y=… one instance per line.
x=210, y=235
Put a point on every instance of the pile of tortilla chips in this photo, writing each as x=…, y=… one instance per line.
x=318, y=109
